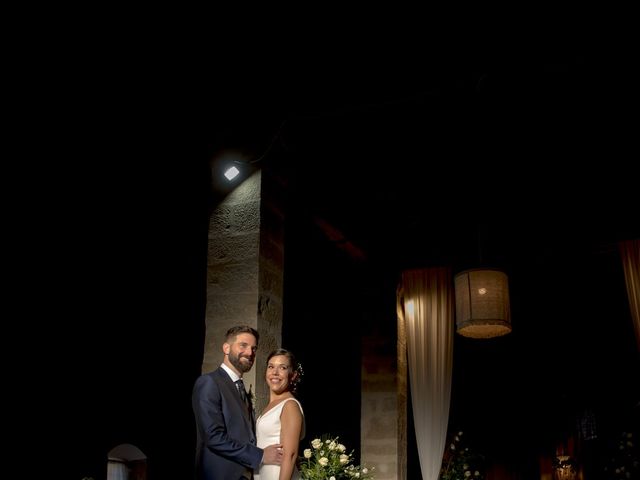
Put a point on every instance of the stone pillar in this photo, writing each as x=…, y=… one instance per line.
x=380, y=416
x=402, y=375
x=245, y=273
x=270, y=277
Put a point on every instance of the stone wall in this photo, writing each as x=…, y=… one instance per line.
x=244, y=273
x=379, y=416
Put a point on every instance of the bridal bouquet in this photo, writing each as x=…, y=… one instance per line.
x=327, y=459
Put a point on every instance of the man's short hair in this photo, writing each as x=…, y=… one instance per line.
x=238, y=329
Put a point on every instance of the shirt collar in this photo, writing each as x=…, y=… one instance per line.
x=234, y=376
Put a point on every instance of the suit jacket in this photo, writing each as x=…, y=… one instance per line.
x=226, y=439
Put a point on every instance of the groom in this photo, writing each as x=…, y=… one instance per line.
x=226, y=440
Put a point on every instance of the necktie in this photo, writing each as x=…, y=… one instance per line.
x=243, y=392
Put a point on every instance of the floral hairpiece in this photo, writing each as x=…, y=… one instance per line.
x=300, y=373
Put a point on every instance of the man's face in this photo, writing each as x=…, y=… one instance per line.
x=242, y=352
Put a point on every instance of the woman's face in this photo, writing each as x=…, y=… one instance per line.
x=279, y=373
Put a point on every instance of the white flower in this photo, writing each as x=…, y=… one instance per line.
x=329, y=459
x=458, y=461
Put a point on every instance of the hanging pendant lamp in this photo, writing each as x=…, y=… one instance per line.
x=482, y=303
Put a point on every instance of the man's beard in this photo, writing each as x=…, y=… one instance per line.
x=241, y=367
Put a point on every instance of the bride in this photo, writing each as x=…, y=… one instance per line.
x=282, y=420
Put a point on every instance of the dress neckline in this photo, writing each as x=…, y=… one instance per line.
x=276, y=405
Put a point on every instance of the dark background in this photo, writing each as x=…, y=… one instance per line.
x=519, y=149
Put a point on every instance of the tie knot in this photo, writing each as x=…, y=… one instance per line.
x=240, y=384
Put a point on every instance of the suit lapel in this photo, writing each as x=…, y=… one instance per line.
x=233, y=391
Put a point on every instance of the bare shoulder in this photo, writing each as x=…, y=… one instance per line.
x=292, y=405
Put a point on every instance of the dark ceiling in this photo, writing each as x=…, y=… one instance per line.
x=406, y=151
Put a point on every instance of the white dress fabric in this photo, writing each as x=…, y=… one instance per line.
x=268, y=428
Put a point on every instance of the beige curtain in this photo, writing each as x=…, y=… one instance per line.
x=630, y=255
x=427, y=306
x=117, y=470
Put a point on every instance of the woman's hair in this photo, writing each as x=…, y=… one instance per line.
x=295, y=366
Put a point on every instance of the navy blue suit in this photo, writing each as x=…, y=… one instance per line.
x=226, y=439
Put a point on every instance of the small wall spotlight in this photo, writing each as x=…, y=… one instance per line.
x=231, y=173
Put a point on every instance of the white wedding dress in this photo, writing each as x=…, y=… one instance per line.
x=268, y=432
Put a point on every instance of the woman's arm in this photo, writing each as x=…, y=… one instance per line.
x=291, y=426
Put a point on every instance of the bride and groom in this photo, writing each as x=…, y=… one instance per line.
x=231, y=442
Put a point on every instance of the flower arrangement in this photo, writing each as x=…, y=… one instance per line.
x=624, y=461
x=327, y=459
x=459, y=463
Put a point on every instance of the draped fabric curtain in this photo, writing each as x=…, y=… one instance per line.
x=426, y=302
x=117, y=470
x=630, y=255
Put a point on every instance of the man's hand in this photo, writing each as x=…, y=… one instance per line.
x=272, y=454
